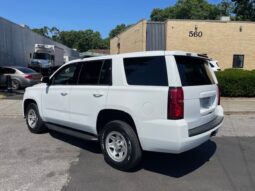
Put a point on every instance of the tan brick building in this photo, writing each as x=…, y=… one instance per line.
x=231, y=43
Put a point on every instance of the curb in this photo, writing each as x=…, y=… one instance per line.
x=239, y=112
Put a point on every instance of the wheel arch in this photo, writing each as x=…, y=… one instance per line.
x=107, y=115
x=26, y=104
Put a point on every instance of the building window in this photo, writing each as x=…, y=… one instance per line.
x=238, y=61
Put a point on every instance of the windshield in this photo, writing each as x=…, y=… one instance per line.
x=41, y=56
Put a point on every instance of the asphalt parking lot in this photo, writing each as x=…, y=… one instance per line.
x=54, y=161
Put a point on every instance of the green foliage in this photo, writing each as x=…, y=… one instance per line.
x=237, y=83
x=117, y=30
x=244, y=10
x=226, y=8
x=201, y=9
x=42, y=31
x=82, y=40
x=187, y=9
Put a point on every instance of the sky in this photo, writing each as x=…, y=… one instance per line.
x=98, y=15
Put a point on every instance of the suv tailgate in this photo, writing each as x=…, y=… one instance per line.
x=200, y=90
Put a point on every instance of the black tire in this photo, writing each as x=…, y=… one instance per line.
x=38, y=127
x=15, y=84
x=134, y=152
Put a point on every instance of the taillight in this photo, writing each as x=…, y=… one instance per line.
x=218, y=94
x=175, y=103
x=28, y=77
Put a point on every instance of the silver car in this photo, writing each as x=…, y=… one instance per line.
x=21, y=77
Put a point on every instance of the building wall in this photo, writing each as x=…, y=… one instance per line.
x=220, y=40
x=131, y=40
x=155, y=36
x=16, y=44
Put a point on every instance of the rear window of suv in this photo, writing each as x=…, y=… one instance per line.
x=194, y=71
x=146, y=71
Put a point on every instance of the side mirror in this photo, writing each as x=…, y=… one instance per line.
x=46, y=80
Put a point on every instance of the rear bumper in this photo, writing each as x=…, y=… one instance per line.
x=174, y=136
x=206, y=127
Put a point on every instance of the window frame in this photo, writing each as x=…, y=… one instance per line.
x=83, y=64
x=233, y=63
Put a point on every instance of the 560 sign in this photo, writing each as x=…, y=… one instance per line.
x=195, y=33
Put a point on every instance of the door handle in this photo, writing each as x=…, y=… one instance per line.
x=97, y=95
x=63, y=94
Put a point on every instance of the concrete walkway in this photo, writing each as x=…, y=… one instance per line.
x=238, y=105
x=10, y=107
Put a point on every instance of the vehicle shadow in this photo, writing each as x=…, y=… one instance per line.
x=91, y=146
x=181, y=164
x=174, y=165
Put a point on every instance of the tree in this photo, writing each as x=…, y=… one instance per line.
x=54, y=33
x=83, y=40
x=244, y=10
x=226, y=7
x=117, y=30
x=47, y=32
x=187, y=9
x=42, y=31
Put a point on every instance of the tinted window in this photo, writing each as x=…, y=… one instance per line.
x=194, y=71
x=148, y=71
x=90, y=72
x=238, y=61
x=96, y=73
x=26, y=70
x=9, y=71
x=66, y=75
x=106, y=73
x=42, y=56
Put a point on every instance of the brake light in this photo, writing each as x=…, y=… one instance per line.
x=29, y=77
x=218, y=94
x=175, y=103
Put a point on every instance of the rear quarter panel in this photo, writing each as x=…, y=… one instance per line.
x=143, y=103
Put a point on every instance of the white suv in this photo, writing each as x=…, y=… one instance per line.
x=159, y=101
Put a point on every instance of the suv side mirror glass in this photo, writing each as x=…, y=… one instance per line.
x=46, y=80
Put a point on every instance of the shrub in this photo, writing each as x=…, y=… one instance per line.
x=237, y=83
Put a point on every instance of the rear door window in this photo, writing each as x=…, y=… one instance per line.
x=194, y=71
x=146, y=71
x=106, y=73
x=97, y=72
